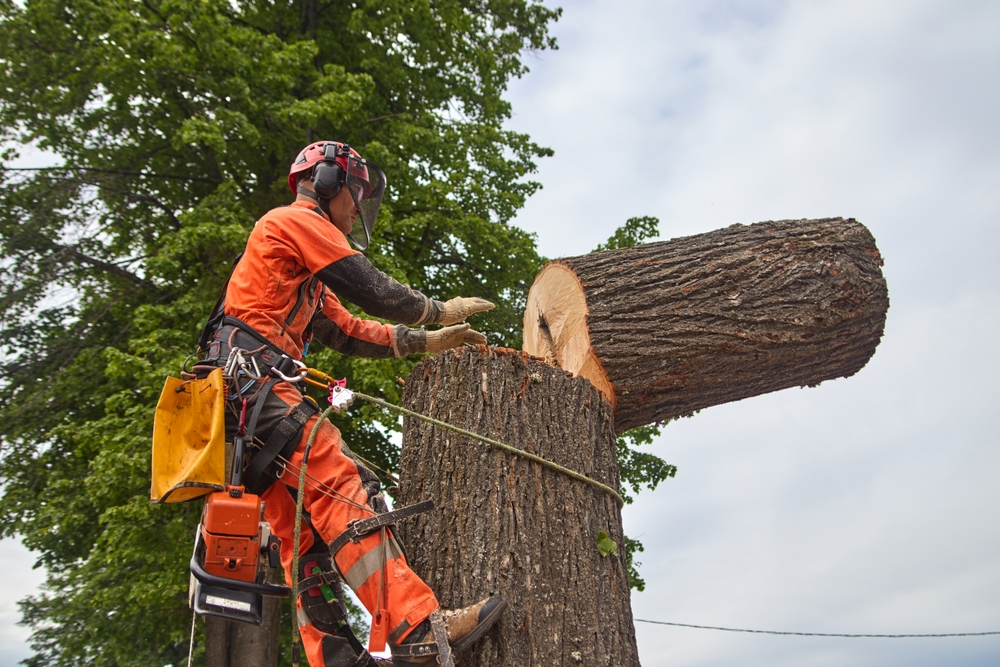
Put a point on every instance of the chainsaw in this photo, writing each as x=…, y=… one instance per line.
x=233, y=548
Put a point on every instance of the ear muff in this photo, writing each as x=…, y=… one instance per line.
x=327, y=179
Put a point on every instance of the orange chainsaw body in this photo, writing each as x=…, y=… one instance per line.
x=231, y=532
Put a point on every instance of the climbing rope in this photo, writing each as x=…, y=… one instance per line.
x=496, y=443
x=296, y=639
x=311, y=375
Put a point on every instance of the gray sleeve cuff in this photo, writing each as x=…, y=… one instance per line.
x=432, y=312
x=407, y=341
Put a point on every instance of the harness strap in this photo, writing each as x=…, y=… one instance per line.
x=317, y=580
x=282, y=440
x=360, y=527
x=261, y=399
x=440, y=630
x=441, y=646
x=215, y=319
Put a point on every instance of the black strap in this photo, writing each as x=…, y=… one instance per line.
x=261, y=399
x=413, y=650
x=317, y=580
x=282, y=440
x=215, y=319
x=360, y=527
x=441, y=647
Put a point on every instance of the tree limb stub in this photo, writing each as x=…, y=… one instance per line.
x=665, y=329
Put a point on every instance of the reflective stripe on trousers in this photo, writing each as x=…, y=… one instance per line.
x=405, y=597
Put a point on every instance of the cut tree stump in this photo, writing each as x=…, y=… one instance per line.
x=665, y=329
x=505, y=524
x=235, y=644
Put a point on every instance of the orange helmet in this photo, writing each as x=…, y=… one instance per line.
x=333, y=165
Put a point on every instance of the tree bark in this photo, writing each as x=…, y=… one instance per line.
x=505, y=524
x=235, y=644
x=665, y=329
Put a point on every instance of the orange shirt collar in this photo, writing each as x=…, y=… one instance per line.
x=311, y=207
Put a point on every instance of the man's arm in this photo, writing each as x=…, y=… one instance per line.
x=355, y=279
x=337, y=329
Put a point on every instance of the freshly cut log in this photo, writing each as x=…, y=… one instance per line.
x=505, y=524
x=665, y=329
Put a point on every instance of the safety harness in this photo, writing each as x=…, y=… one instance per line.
x=254, y=366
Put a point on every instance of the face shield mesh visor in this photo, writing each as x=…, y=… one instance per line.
x=366, y=181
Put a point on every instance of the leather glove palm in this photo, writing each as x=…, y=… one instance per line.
x=457, y=309
x=456, y=336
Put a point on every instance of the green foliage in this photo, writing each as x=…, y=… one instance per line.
x=638, y=469
x=632, y=233
x=605, y=545
x=174, y=122
x=631, y=547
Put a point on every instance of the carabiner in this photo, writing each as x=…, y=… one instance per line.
x=301, y=371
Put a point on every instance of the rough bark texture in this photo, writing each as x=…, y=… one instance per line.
x=234, y=644
x=698, y=321
x=504, y=524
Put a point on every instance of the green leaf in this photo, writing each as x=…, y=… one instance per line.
x=632, y=233
x=176, y=122
x=605, y=545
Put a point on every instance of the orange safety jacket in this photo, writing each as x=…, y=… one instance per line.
x=283, y=287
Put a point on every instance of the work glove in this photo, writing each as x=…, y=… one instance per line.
x=457, y=309
x=456, y=336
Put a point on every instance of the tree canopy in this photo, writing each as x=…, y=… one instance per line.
x=173, y=123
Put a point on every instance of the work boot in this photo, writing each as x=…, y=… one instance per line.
x=464, y=627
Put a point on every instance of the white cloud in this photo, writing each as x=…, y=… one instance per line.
x=17, y=581
x=864, y=505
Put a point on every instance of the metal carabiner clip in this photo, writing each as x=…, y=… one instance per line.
x=300, y=369
x=231, y=363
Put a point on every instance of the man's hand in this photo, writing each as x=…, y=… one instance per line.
x=456, y=336
x=457, y=309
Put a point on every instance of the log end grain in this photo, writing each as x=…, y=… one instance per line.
x=681, y=325
x=555, y=326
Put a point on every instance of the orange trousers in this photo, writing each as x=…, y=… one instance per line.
x=395, y=596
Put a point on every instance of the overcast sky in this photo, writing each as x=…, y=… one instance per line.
x=867, y=505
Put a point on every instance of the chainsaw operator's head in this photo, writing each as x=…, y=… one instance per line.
x=323, y=169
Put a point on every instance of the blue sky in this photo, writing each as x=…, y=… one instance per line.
x=866, y=505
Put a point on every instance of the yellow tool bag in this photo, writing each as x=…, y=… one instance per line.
x=189, y=439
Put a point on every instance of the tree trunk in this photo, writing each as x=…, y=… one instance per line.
x=664, y=329
x=235, y=644
x=505, y=524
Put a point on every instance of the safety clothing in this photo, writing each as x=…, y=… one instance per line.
x=463, y=627
x=374, y=566
x=281, y=296
x=453, y=336
x=457, y=309
x=283, y=288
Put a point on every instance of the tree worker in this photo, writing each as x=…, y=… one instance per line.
x=283, y=292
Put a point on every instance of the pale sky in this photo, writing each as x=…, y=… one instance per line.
x=865, y=505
